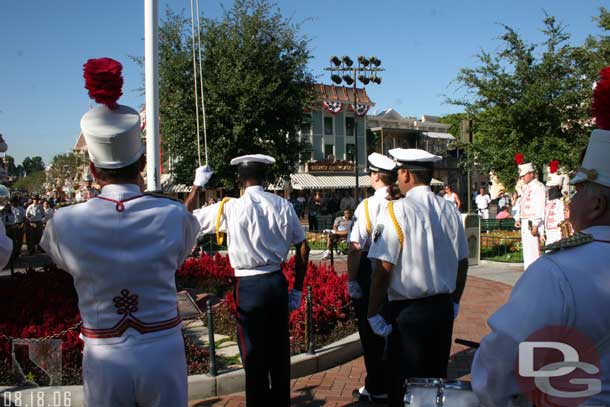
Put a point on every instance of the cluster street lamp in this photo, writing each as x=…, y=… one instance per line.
x=343, y=70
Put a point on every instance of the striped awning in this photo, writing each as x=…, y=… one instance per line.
x=310, y=181
x=168, y=185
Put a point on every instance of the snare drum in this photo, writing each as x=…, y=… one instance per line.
x=439, y=393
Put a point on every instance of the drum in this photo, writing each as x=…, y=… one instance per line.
x=439, y=393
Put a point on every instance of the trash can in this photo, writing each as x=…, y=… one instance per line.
x=472, y=227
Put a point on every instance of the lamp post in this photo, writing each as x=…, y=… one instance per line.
x=343, y=70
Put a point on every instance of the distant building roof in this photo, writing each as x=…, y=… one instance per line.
x=342, y=94
x=81, y=144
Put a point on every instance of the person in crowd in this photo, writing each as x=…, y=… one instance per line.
x=531, y=213
x=451, y=196
x=347, y=202
x=34, y=215
x=503, y=199
x=341, y=227
x=302, y=201
x=314, y=210
x=504, y=213
x=122, y=250
x=8, y=221
x=382, y=172
x=420, y=262
x=48, y=211
x=261, y=229
x=516, y=204
x=554, y=212
x=87, y=191
x=482, y=201
x=572, y=312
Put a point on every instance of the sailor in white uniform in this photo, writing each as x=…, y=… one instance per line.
x=261, y=227
x=565, y=290
x=421, y=263
x=382, y=171
x=122, y=250
x=531, y=213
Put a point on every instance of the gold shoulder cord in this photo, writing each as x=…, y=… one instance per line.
x=220, y=236
x=401, y=236
x=367, y=217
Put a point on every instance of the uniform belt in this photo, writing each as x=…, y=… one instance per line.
x=261, y=275
x=424, y=300
x=130, y=322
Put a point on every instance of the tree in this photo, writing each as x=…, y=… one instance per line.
x=33, y=164
x=256, y=87
x=70, y=164
x=529, y=98
x=32, y=183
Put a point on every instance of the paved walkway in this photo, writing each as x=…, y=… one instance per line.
x=334, y=387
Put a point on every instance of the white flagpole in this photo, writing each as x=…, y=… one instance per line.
x=151, y=73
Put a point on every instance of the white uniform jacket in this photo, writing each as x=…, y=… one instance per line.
x=423, y=236
x=260, y=226
x=533, y=201
x=365, y=218
x=123, y=258
x=568, y=288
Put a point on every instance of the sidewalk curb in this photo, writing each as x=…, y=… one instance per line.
x=204, y=386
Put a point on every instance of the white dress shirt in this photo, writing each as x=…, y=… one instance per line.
x=114, y=255
x=34, y=213
x=434, y=242
x=375, y=204
x=568, y=288
x=482, y=201
x=260, y=229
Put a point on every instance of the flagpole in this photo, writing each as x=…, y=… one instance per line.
x=151, y=73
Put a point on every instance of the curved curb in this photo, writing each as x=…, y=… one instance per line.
x=204, y=386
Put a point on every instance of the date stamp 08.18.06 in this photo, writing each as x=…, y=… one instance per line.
x=36, y=398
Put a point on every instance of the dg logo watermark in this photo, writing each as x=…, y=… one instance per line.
x=558, y=366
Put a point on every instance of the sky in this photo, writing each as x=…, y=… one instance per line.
x=422, y=46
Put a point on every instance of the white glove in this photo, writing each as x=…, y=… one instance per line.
x=354, y=290
x=379, y=326
x=294, y=300
x=456, y=309
x=202, y=176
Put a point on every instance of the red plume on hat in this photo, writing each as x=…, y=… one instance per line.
x=553, y=166
x=601, y=100
x=103, y=80
x=518, y=158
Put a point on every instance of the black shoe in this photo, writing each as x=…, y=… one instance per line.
x=362, y=395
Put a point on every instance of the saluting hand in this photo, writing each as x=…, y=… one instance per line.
x=202, y=176
x=379, y=326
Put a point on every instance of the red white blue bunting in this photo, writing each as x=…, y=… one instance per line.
x=360, y=110
x=333, y=107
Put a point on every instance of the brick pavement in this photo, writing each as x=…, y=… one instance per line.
x=334, y=387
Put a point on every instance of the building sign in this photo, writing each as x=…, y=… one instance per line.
x=330, y=166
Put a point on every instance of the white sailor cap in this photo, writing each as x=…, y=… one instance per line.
x=380, y=163
x=413, y=158
x=253, y=158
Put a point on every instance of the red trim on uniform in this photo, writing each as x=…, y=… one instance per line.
x=120, y=207
x=240, y=330
x=130, y=322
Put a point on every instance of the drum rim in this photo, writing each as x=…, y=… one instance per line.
x=437, y=382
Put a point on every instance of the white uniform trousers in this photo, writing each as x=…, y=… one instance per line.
x=531, y=244
x=137, y=372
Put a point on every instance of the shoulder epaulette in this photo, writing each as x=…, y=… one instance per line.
x=158, y=195
x=576, y=240
x=67, y=205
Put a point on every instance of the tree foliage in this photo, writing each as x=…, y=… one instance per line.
x=68, y=165
x=33, y=164
x=531, y=98
x=32, y=183
x=256, y=86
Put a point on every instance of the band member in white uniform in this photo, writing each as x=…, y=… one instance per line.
x=554, y=212
x=123, y=249
x=382, y=171
x=531, y=213
x=261, y=227
x=421, y=262
x=567, y=289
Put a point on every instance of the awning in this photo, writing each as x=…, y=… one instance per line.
x=436, y=182
x=168, y=185
x=310, y=181
x=433, y=134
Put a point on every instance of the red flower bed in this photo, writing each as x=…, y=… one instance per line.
x=37, y=304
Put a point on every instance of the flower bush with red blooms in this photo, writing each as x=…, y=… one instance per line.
x=207, y=274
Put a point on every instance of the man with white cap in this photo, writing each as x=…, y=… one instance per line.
x=382, y=171
x=122, y=250
x=87, y=191
x=530, y=217
x=421, y=261
x=261, y=228
x=573, y=310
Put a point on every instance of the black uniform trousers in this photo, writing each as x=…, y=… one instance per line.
x=262, y=334
x=15, y=233
x=372, y=345
x=33, y=234
x=420, y=344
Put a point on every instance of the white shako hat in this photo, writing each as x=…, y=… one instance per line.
x=413, y=158
x=553, y=180
x=379, y=163
x=526, y=168
x=112, y=131
x=253, y=158
x=595, y=165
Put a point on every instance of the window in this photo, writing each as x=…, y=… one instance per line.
x=329, y=151
x=350, y=149
x=305, y=131
x=328, y=126
x=350, y=126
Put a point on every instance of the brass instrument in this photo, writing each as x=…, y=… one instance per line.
x=566, y=229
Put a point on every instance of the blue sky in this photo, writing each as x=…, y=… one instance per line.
x=422, y=45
